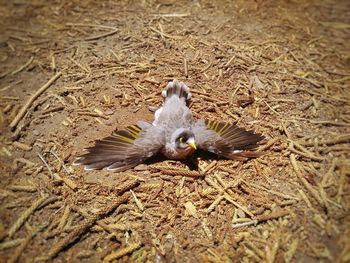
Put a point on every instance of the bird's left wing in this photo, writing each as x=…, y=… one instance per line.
x=123, y=149
x=225, y=139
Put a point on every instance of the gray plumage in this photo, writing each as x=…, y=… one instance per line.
x=174, y=133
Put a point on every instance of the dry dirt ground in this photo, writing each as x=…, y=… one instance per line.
x=73, y=71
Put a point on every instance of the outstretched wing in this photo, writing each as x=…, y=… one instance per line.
x=123, y=149
x=225, y=139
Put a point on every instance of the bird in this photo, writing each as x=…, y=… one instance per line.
x=174, y=133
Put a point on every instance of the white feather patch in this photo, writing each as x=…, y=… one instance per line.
x=156, y=116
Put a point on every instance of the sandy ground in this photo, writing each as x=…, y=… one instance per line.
x=72, y=72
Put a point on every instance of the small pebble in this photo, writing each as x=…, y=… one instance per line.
x=108, y=112
x=141, y=167
x=152, y=108
x=152, y=58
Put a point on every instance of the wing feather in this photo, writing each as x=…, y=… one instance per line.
x=225, y=139
x=123, y=149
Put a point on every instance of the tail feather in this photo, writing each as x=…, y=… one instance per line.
x=177, y=88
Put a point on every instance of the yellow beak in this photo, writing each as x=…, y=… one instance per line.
x=192, y=145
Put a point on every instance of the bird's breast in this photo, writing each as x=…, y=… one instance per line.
x=177, y=154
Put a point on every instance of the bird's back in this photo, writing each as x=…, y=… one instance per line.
x=174, y=113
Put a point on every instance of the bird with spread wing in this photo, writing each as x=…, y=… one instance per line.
x=174, y=133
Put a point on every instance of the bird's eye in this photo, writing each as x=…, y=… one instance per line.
x=181, y=139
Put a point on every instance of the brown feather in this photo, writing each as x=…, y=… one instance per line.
x=233, y=139
x=116, y=152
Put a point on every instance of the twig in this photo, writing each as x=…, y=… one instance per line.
x=25, y=215
x=164, y=34
x=64, y=218
x=214, y=204
x=122, y=252
x=173, y=15
x=23, y=66
x=340, y=139
x=272, y=109
x=285, y=196
x=53, y=61
x=50, y=200
x=268, y=144
x=272, y=252
x=252, y=222
x=71, y=184
x=24, y=109
x=89, y=25
x=306, y=200
x=229, y=61
x=46, y=164
x=329, y=173
x=101, y=35
x=206, y=229
x=182, y=173
x=229, y=198
x=303, y=180
x=241, y=219
x=100, y=223
x=186, y=67
x=92, y=114
x=127, y=186
x=227, y=195
x=24, y=161
x=83, y=227
x=58, y=108
x=258, y=253
x=24, y=188
x=313, y=82
x=209, y=167
x=9, y=98
x=304, y=152
x=341, y=183
x=60, y=161
x=302, y=148
x=137, y=201
x=323, y=122
x=18, y=252
x=273, y=215
x=11, y=243
x=79, y=65
x=289, y=254
x=22, y=146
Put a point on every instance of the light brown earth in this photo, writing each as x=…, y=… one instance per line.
x=278, y=67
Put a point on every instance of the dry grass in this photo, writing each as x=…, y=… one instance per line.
x=72, y=72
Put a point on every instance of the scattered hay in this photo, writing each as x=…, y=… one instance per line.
x=281, y=70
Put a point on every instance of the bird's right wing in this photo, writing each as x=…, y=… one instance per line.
x=225, y=139
x=123, y=149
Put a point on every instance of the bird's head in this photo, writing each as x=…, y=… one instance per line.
x=185, y=140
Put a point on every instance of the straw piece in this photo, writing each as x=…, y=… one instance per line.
x=122, y=252
x=304, y=182
x=25, y=215
x=101, y=35
x=83, y=227
x=24, y=109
